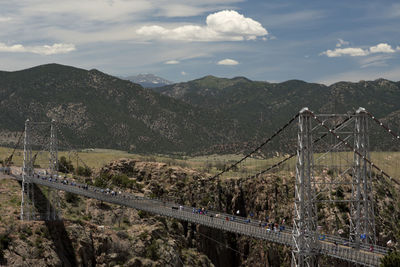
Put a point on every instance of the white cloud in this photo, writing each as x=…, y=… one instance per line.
x=381, y=48
x=227, y=25
x=41, y=50
x=115, y=10
x=171, y=62
x=228, y=62
x=93, y=21
x=5, y=19
x=341, y=42
x=350, y=51
x=98, y=10
x=356, y=51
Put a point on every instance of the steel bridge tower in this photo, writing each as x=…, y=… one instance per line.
x=53, y=198
x=305, y=211
x=28, y=211
x=362, y=222
x=27, y=201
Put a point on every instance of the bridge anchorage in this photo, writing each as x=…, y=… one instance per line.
x=349, y=137
x=29, y=202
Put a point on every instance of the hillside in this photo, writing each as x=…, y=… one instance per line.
x=98, y=110
x=207, y=115
x=261, y=107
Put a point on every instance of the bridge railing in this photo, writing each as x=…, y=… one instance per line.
x=239, y=225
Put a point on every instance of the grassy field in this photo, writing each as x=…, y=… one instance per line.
x=213, y=164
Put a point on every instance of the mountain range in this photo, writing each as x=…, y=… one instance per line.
x=207, y=115
x=148, y=80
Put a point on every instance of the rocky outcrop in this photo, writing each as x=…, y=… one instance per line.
x=267, y=196
x=92, y=234
x=99, y=234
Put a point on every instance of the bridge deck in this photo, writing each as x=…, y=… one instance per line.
x=331, y=246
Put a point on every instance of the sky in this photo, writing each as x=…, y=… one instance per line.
x=267, y=40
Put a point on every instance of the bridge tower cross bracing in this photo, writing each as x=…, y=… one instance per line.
x=27, y=208
x=53, y=203
x=362, y=222
x=305, y=212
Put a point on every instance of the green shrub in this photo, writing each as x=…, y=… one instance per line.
x=5, y=241
x=65, y=165
x=71, y=198
x=142, y=214
x=340, y=192
x=101, y=181
x=126, y=220
x=391, y=260
x=122, y=180
x=343, y=207
x=84, y=171
x=151, y=251
x=27, y=231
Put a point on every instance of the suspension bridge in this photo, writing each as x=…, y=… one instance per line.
x=349, y=133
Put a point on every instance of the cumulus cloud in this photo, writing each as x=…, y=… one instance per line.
x=357, y=52
x=228, y=62
x=381, y=48
x=171, y=62
x=226, y=25
x=41, y=50
x=341, y=43
x=350, y=51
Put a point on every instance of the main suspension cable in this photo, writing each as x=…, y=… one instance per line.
x=9, y=159
x=71, y=149
x=294, y=154
x=257, y=148
x=396, y=136
x=351, y=147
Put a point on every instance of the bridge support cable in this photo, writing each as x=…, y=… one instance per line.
x=373, y=165
x=305, y=234
x=395, y=135
x=8, y=160
x=337, y=127
x=362, y=223
x=70, y=147
x=257, y=148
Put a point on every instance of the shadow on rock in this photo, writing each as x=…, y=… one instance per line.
x=58, y=233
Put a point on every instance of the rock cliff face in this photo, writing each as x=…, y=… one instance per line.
x=267, y=196
x=99, y=234
x=92, y=234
